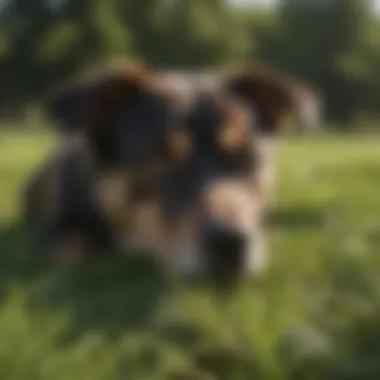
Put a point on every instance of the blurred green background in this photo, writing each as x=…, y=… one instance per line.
x=315, y=315
x=334, y=44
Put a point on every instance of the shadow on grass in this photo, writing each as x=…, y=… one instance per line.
x=299, y=218
x=106, y=295
x=109, y=295
x=112, y=296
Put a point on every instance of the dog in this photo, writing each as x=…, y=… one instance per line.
x=104, y=184
x=201, y=209
x=211, y=201
x=116, y=137
x=228, y=186
x=278, y=103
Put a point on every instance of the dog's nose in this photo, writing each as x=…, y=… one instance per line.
x=224, y=250
x=223, y=236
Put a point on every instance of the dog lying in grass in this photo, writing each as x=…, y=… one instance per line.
x=178, y=171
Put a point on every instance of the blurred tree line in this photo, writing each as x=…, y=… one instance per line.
x=333, y=44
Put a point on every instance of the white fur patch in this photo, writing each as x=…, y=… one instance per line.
x=257, y=256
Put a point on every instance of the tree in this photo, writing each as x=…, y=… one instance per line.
x=323, y=41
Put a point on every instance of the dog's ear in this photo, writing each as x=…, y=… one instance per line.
x=269, y=95
x=117, y=87
x=87, y=100
x=68, y=103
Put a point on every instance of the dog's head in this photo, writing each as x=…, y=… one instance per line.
x=215, y=186
x=125, y=114
x=128, y=119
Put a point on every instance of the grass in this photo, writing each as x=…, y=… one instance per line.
x=315, y=315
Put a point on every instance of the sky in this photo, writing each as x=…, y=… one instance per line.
x=260, y=2
x=271, y=2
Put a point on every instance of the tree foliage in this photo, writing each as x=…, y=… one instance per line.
x=334, y=44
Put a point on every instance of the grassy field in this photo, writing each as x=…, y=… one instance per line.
x=315, y=315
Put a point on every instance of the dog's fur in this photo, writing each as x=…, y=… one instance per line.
x=279, y=102
x=259, y=106
x=202, y=161
x=122, y=128
x=215, y=190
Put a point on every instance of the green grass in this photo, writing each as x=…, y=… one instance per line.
x=315, y=315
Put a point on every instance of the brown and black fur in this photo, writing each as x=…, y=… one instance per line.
x=278, y=102
x=157, y=195
x=93, y=185
x=235, y=122
x=61, y=207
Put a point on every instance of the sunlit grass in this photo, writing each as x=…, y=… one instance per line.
x=316, y=315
